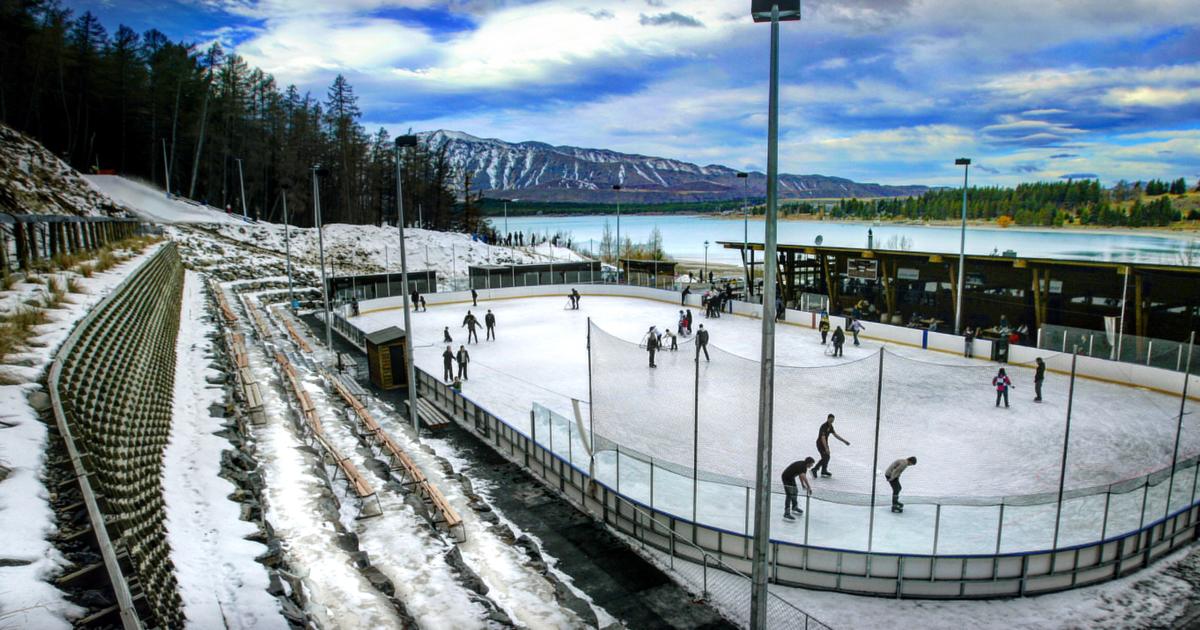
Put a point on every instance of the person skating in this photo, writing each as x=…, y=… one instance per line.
x=968, y=342
x=1002, y=384
x=415, y=298
x=447, y=363
x=686, y=292
x=702, y=342
x=823, y=446
x=855, y=328
x=469, y=322
x=474, y=297
x=489, y=320
x=424, y=306
x=791, y=501
x=1038, y=377
x=354, y=306
x=446, y=335
x=688, y=321
x=575, y=299
x=892, y=474
x=463, y=359
x=838, y=339
x=673, y=340
x=823, y=327
x=652, y=345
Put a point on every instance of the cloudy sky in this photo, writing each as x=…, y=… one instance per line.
x=875, y=90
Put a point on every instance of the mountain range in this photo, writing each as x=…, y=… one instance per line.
x=536, y=171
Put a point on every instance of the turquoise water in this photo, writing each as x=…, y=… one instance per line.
x=684, y=237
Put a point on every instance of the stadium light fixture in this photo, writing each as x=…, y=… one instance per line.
x=772, y=11
x=705, y=260
x=962, y=248
x=410, y=370
x=318, y=172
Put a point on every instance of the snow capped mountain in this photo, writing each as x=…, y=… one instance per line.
x=538, y=171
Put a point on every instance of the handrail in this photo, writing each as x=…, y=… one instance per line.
x=120, y=585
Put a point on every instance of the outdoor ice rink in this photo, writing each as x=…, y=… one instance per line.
x=938, y=407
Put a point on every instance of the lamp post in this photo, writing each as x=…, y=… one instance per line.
x=242, y=185
x=410, y=369
x=317, y=173
x=705, y=259
x=745, y=177
x=287, y=244
x=962, y=247
x=773, y=11
x=617, y=258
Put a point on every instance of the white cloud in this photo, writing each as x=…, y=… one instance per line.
x=296, y=49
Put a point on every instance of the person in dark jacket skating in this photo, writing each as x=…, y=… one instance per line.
x=652, y=345
x=686, y=292
x=446, y=335
x=470, y=323
x=489, y=320
x=1039, y=376
x=463, y=359
x=1002, y=384
x=702, y=342
x=447, y=364
x=823, y=446
x=838, y=339
x=575, y=299
x=791, y=503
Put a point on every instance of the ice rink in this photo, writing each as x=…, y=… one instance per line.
x=935, y=406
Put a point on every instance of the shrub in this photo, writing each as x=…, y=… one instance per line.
x=86, y=270
x=75, y=286
x=105, y=261
x=7, y=281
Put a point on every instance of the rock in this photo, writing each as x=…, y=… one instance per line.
x=40, y=401
x=292, y=613
x=466, y=576
x=379, y=581
x=348, y=541
x=215, y=379
x=13, y=562
x=276, y=586
x=273, y=556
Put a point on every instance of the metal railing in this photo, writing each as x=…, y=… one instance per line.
x=111, y=386
x=1160, y=353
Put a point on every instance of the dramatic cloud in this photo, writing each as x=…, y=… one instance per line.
x=669, y=19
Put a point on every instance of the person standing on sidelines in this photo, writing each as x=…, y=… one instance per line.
x=968, y=342
x=1038, y=377
x=791, y=502
x=489, y=320
x=1002, y=384
x=447, y=365
x=463, y=359
x=702, y=342
x=474, y=297
x=892, y=474
x=823, y=446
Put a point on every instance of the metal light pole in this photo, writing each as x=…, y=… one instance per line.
x=287, y=245
x=406, y=141
x=705, y=259
x=762, y=11
x=745, y=177
x=242, y=185
x=317, y=173
x=962, y=248
x=617, y=258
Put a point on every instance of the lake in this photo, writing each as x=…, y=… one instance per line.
x=684, y=237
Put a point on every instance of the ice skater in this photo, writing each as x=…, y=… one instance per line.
x=652, y=345
x=838, y=339
x=1039, y=376
x=674, y=341
x=968, y=342
x=1002, y=384
x=892, y=474
x=447, y=364
x=354, y=306
x=575, y=299
x=688, y=321
x=702, y=342
x=686, y=292
x=463, y=359
x=823, y=327
x=791, y=501
x=446, y=335
x=489, y=320
x=823, y=446
x=474, y=297
x=415, y=297
x=470, y=323
x=856, y=327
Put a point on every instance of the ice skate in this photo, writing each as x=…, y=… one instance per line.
x=788, y=516
x=897, y=509
x=826, y=474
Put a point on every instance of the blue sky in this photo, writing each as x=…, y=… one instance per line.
x=875, y=90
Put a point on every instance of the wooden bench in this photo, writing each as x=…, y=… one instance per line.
x=287, y=323
x=431, y=415
x=256, y=318
x=222, y=302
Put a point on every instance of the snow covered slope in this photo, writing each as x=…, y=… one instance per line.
x=34, y=181
x=153, y=204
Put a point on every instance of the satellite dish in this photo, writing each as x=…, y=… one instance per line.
x=819, y=239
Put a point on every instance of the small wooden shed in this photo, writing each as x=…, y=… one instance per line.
x=385, y=357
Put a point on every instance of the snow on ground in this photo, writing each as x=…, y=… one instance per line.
x=942, y=412
x=338, y=593
x=27, y=599
x=369, y=248
x=36, y=181
x=219, y=581
x=152, y=204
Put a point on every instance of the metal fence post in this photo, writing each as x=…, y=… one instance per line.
x=999, y=527
x=875, y=457
x=1062, y=475
x=1149, y=351
x=937, y=524
x=1179, y=426
x=652, y=487
x=1104, y=524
